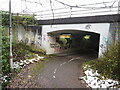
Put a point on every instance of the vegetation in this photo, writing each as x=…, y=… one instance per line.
x=36, y=69
x=18, y=19
x=21, y=51
x=5, y=52
x=109, y=64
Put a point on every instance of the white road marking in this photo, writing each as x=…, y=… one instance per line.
x=77, y=58
x=55, y=70
x=71, y=59
x=63, y=64
x=53, y=76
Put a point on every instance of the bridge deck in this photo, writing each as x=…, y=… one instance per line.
x=88, y=19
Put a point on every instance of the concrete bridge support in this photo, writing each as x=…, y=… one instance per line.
x=49, y=34
x=104, y=29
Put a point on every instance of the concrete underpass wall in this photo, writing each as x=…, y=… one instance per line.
x=80, y=44
x=99, y=28
x=114, y=33
x=118, y=32
x=31, y=35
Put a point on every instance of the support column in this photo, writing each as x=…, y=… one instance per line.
x=10, y=30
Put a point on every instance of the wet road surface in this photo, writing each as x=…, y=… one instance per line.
x=62, y=72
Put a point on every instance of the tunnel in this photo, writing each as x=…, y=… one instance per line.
x=74, y=41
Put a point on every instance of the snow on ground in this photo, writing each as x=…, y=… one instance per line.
x=92, y=79
x=22, y=64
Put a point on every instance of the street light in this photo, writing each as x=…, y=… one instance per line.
x=10, y=31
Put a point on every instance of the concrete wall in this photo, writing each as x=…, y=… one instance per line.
x=114, y=33
x=118, y=32
x=100, y=28
x=109, y=32
x=28, y=36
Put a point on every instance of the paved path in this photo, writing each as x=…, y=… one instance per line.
x=62, y=72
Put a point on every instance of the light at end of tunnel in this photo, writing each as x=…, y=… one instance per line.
x=64, y=36
x=86, y=37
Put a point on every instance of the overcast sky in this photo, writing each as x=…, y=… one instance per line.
x=39, y=7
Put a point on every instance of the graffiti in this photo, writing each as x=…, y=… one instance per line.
x=52, y=45
x=69, y=42
x=64, y=41
x=44, y=37
x=39, y=40
x=105, y=41
x=57, y=50
x=102, y=46
x=88, y=26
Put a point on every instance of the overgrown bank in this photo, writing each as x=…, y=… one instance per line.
x=109, y=64
x=21, y=52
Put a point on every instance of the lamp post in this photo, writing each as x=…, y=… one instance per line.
x=119, y=7
x=10, y=32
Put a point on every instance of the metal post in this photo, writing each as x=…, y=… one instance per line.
x=118, y=28
x=10, y=30
x=119, y=7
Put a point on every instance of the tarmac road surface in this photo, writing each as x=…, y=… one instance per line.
x=63, y=72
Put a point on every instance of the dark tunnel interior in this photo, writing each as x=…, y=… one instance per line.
x=77, y=41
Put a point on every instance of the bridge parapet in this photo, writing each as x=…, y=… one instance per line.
x=89, y=19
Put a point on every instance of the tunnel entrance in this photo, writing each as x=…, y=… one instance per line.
x=74, y=41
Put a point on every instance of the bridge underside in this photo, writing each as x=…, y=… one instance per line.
x=64, y=35
x=73, y=41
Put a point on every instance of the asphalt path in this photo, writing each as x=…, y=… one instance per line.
x=63, y=72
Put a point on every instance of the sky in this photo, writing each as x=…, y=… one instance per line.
x=44, y=9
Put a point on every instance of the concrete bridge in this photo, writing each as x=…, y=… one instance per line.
x=76, y=34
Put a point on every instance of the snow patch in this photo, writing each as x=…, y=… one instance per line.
x=23, y=63
x=92, y=79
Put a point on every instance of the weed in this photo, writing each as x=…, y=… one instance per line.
x=35, y=70
x=109, y=64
